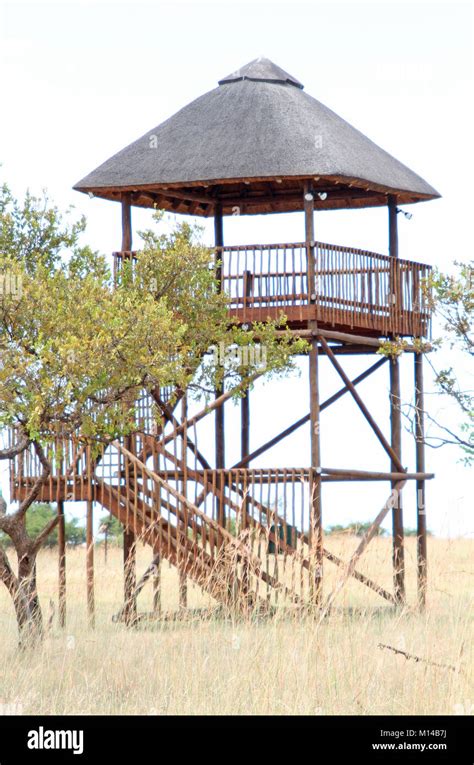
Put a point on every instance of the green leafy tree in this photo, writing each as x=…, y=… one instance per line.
x=452, y=298
x=38, y=516
x=112, y=527
x=76, y=351
x=356, y=528
x=410, y=532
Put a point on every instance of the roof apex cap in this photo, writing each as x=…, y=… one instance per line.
x=262, y=70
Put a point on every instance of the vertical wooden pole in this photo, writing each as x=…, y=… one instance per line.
x=126, y=223
x=62, y=564
x=310, y=244
x=90, y=562
x=220, y=422
x=393, y=252
x=183, y=587
x=129, y=555
x=422, y=578
x=392, y=226
x=398, y=555
x=244, y=452
x=315, y=483
x=245, y=425
x=157, y=587
x=157, y=572
x=130, y=577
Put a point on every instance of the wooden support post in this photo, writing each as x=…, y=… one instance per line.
x=126, y=223
x=392, y=226
x=309, y=241
x=62, y=565
x=394, y=277
x=220, y=423
x=183, y=556
x=129, y=555
x=420, y=484
x=183, y=589
x=316, y=539
x=129, y=577
x=244, y=452
x=395, y=421
x=157, y=562
x=316, y=528
x=218, y=238
x=157, y=586
x=90, y=562
x=245, y=425
x=397, y=511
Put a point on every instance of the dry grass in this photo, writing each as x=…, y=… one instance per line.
x=284, y=666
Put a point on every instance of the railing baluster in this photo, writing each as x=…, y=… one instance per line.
x=355, y=288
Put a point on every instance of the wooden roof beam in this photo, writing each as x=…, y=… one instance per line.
x=292, y=197
x=188, y=196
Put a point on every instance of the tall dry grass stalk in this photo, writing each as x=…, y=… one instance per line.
x=228, y=664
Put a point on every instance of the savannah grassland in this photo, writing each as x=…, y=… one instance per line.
x=287, y=665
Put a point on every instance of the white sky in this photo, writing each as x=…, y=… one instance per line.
x=82, y=80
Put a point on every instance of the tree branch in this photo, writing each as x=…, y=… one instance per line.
x=6, y=574
x=454, y=440
x=33, y=495
x=13, y=451
x=44, y=534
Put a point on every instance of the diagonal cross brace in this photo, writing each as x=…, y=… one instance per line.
x=303, y=420
x=355, y=395
x=366, y=539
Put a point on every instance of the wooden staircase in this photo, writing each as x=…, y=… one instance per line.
x=244, y=536
x=223, y=564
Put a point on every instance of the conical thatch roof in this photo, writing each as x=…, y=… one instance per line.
x=251, y=143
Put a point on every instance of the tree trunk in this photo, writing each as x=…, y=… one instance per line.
x=22, y=588
x=24, y=595
x=30, y=626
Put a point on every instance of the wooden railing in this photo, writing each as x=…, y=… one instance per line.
x=77, y=470
x=354, y=288
x=217, y=525
x=251, y=524
x=71, y=473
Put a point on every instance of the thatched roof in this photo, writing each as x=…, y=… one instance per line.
x=252, y=142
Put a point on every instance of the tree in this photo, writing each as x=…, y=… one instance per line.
x=356, y=528
x=452, y=298
x=359, y=528
x=76, y=351
x=112, y=527
x=411, y=532
x=38, y=516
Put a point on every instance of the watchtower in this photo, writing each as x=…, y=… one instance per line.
x=258, y=143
